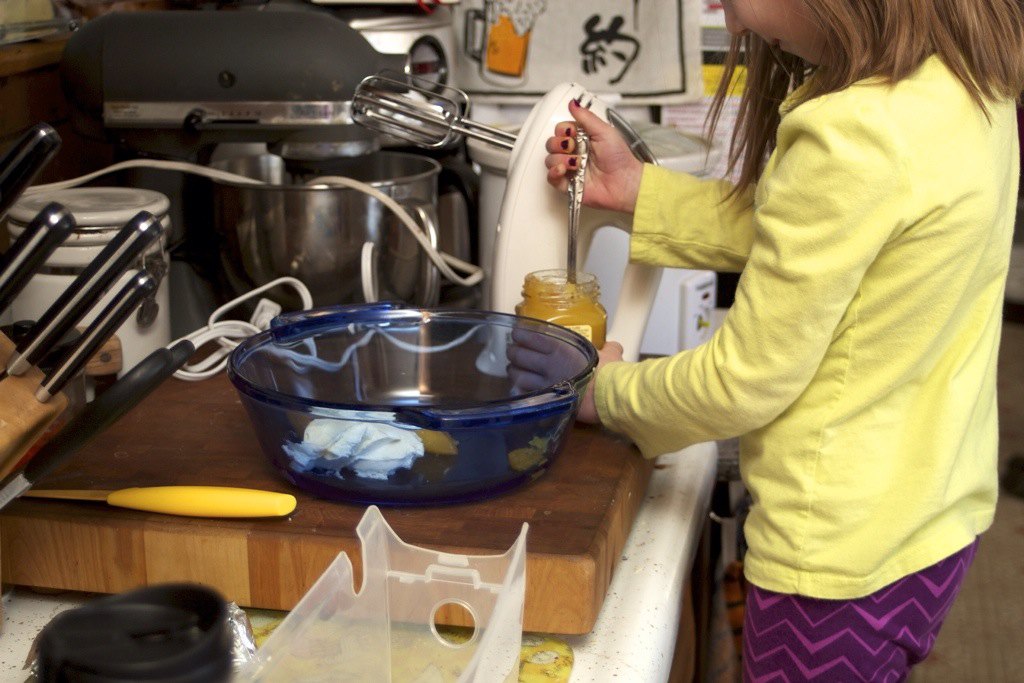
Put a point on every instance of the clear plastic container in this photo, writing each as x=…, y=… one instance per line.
x=388, y=632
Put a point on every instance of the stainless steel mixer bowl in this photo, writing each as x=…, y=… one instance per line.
x=316, y=234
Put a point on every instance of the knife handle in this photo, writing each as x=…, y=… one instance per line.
x=50, y=227
x=204, y=501
x=107, y=408
x=127, y=245
x=113, y=315
x=24, y=160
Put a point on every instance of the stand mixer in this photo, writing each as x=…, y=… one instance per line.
x=260, y=85
x=174, y=84
x=532, y=231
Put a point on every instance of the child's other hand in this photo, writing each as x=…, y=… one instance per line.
x=536, y=361
x=613, y=173
x=609, y=353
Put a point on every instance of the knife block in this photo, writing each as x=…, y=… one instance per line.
x=20, y=427
x=23, y=419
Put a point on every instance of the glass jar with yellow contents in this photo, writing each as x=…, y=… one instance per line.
x=549, y=295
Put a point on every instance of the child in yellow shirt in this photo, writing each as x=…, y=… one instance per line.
x=878, y=165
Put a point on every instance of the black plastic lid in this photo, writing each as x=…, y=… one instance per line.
x=173, y=633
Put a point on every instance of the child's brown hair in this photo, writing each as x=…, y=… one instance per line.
x=981, y=41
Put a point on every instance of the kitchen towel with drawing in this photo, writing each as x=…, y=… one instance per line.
x=516, y=50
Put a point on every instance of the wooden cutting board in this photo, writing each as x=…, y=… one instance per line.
x=579, y=512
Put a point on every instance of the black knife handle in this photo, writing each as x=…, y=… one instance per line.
x=50, y=227
x=108, y=407
x=23, y=161
x=125, y=300
x=130, y=242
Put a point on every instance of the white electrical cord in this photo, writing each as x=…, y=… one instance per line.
x=444, y=262
x=227, y=334
x=369, y=272
x=183, y=166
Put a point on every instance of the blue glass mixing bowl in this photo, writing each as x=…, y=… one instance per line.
x=383, y=404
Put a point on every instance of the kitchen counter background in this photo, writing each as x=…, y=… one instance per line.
x=981, y=639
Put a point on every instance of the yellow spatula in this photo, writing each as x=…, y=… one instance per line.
x=190, y=501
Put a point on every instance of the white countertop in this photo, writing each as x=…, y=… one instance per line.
x=635, y=634
x=25, y=614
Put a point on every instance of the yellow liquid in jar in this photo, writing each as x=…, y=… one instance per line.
x=548, y=295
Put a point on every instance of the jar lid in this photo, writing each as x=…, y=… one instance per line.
x=94, y=207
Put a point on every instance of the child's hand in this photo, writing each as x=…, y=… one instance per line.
x=613, y=173
x=536, y=361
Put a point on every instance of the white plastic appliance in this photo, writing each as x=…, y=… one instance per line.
x=683, y=297
x=532, y=228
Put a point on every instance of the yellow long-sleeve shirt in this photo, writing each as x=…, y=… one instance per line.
x=858, y=362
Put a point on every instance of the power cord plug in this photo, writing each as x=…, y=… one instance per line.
x=225, y=335
x=266, y=310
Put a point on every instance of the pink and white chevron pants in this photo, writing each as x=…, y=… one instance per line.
x=790, y=638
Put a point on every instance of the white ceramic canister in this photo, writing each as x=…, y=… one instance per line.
x=99, y=212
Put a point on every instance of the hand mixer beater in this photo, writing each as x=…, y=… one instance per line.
x=531, y=233
x=431, y=116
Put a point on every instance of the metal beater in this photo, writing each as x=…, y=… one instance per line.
x=531, y=231
x=426, y=114
x=431, y=115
